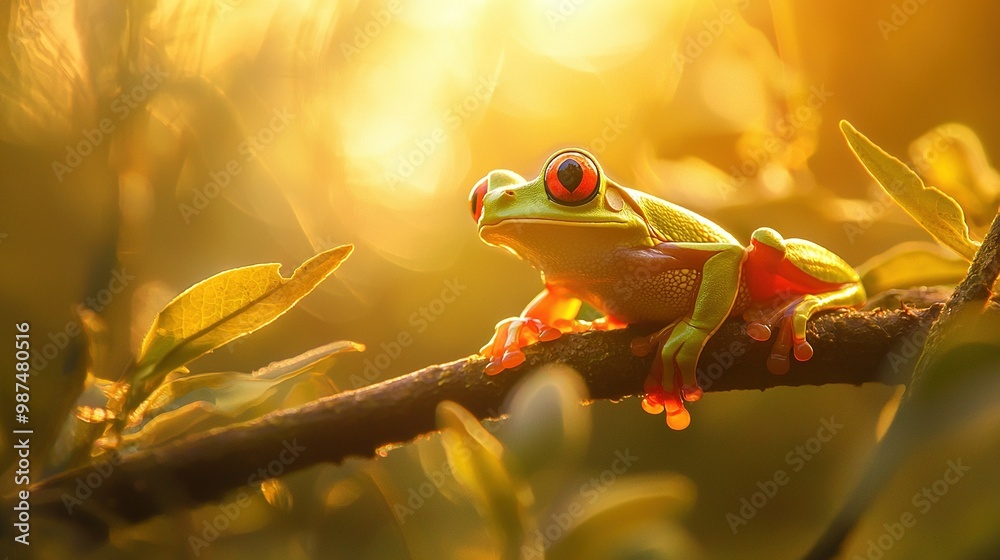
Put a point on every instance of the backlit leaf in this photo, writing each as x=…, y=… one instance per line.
x=952, y=157
x=631, y=507
x=476, y=459
x=221, y=309
x=936, y=212
x=185, y=403
x=548, y=427
x=911, y=264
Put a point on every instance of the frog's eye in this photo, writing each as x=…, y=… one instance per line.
x=476, y=197
x=572, y=179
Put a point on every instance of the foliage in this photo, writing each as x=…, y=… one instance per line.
x=158, y=399
x=149, y=145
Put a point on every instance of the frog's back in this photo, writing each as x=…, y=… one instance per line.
x=678, y=224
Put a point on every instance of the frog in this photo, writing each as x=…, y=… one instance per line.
x=638, y=259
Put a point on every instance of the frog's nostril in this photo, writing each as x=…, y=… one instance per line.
x=509, y=192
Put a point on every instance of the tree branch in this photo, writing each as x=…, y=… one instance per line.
x=915, y=423
x=851, y=347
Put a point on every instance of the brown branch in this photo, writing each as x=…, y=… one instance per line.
x=916, y=422
x=851, y=347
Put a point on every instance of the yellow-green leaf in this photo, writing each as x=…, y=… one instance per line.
x=185, y=403
x=633, y=509
x=318, y=359
x=952, y=157
x=935, y=211
x=98, y=401
x=911, y=264
x=221, y=309
x=548, y=427
x=476, y=459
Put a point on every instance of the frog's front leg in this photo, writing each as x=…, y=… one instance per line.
x=673, y=378
x=789, y=281
x=552, y=313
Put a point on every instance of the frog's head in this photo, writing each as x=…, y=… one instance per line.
x=570, y=203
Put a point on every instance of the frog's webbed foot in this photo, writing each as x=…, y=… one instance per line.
x=763, y=320
x=513, y=334
x=791, y=317
x=677, y=349
x=504, y=349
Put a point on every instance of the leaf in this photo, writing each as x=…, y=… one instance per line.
x=548, y=427
x=221, y=309
x=911, y=264
x=632, y=512
x=935, y=211
x=952, y=157
x=317, y=359
x=96, y=404
x=184, y=404
x=476, y=459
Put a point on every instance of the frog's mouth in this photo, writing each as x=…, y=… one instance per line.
x=538, y=240
x=511, y=232
x=562, y=222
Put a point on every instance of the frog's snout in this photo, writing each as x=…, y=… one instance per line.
x=496, y=179
x=500, y=178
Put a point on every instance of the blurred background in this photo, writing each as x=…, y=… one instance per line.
x=149, y=145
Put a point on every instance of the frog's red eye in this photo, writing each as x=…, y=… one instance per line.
x=572, y=179
x=476, y=197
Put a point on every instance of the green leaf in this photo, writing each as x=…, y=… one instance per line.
x=476, y=459
x=97, y=403
x=952, y=157
x=548, y=427
x=318, y=359
x=634, y=518
x=184, y=404
x=935, y=211
x=221, y=309
x=911, y=264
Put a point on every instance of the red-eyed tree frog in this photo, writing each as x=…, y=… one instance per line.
x=639, y=259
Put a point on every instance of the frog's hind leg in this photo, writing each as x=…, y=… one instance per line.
x=789, y=282
x=793, y=318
